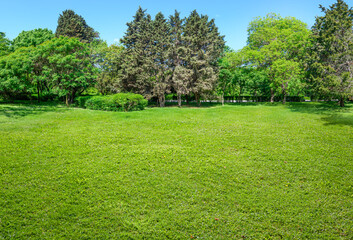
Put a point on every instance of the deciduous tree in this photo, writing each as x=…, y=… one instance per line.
x=32, y=38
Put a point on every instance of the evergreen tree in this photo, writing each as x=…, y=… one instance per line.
x=160, y=47
x=177, y=57
x=204, y=47
x=136, y=57
x=72, y=25
x=332, y=52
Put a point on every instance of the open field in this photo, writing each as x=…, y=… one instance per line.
x=241, y=171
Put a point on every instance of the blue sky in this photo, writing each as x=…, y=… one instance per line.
x=109, y=17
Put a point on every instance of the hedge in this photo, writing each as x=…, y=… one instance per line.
x=118, y=102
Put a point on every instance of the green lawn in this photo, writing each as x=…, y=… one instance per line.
x=234, y=172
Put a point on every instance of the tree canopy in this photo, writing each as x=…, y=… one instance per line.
x=32, y=38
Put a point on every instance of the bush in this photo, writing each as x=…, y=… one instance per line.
x=118, y=102
x=81, y=101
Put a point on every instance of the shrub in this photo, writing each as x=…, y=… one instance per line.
x=81, y=101
x=118, y=102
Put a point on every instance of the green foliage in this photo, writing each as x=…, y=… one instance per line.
x=32, y=38
x=81, y=101
x=109, y=60
x=67, y=65
x=15, y=73
x=286, y=74
x=272, y=39
x=4, y=44
x=136, y=64
x=72, y=25
x=204, y=47
x=117, y=102
x=331, y=56
x=180, y=56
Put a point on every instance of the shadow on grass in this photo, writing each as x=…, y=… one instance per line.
x=207, y=104
x=23, y=108
x=187, y=105
x=332, y=114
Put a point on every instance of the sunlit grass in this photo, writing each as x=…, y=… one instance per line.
x=233, y=172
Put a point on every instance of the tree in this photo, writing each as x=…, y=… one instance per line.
x=273, y=38
x=72, y=25
x=160, y=47
x=225, y=79
x=177, y=57
x=15, y=73
x=332, y=52
x=136, y=60
x=109, y=60
x=4, y=44
x=32, y=38
x=286, y=74
x=67, y=65
x=204, y=46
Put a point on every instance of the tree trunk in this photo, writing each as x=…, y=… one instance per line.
x=161, y=99
x=341, y=102
x=38, y=92
x=179, y=100
x=284, y=98
x=197, y=98
x=67, y=99
x=272, y=96
x=222, y=99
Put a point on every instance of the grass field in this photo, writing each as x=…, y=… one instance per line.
x=234, y=172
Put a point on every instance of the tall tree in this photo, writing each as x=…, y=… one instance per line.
x=67, y=65
x=177, y=58
x=332, y=53
x=272, y=38
x=204, y=46
x=160, y=47
x=32, y=38
x=72, y=25
x=136, y=60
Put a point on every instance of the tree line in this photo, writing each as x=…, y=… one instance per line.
x=184, y=57
x=283, y=57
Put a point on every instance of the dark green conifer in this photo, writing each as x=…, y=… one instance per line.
x=332, y=54
x=204, y=47
x=72, y=25
x=177, y=57
x=136, y=60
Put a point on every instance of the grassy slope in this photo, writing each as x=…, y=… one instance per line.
x=236, y=172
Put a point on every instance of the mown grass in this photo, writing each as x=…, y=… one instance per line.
x=242, y=171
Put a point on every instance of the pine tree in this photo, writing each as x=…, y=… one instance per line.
x=72, y=25
x=332, y=53
x=204, y=47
